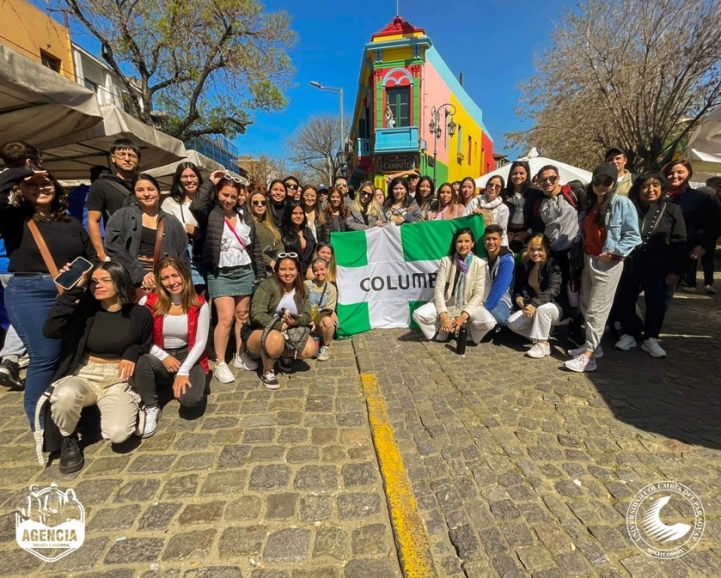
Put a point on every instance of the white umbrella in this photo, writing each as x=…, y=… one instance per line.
x=565, y=172
x=38, y=104
x=71, y=156
x=166, y=173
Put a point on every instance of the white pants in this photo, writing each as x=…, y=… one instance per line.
x=538, y=327
x=598, y=288
x=96, y=383
x=479, y=323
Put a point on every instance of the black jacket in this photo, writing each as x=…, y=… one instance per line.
x=702, y=216
x=292, y=245
x=122, y=239
x=663, y=239
x=211, y=221
x=551, y=283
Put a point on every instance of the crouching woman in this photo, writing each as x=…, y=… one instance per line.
x=539, y=296
x=177, y=359
x=104, y=334
x=280, y=305
x=459, y=293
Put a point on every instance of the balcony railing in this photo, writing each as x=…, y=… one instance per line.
x=396, y=140
x=363, y=147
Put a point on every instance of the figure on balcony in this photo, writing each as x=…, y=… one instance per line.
x=390, y=119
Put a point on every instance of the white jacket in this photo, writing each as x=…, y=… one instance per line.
x=475, y=284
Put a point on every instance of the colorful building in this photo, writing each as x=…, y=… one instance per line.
x=402, y=81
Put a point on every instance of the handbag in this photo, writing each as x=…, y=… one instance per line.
x=44, y=251
x=295, y=337
x=140, y=292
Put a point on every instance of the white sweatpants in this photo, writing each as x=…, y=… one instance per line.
x=538, y=327
x=479, y=323
x=598, y=289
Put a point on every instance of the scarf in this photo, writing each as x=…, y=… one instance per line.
x=673, y=195
x=484, y=203
x=459, y=291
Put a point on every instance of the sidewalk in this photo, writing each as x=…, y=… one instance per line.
x=265, y=485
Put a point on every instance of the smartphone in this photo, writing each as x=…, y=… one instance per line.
x=68, y=279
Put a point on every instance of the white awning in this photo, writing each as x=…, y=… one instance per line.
x=71, y=156
x=704, y=148
x=566, y=172
x=206, y=165
x=38, y=104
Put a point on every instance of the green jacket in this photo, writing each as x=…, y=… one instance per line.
x=269, y=245
x=266, y=300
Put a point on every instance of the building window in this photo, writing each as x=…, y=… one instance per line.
x=50, y=61
x=399, y=101
x=459, y=150
x=91, y=85
x=470, y=149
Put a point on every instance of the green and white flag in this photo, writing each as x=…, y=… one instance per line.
x=385, y=273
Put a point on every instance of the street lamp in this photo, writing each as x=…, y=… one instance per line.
x=436, y=129
x=319, y=86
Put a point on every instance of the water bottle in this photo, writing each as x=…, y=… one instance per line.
x=461, y=338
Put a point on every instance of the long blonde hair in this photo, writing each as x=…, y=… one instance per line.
x=267, y=219
x=374, y=208
x=188, y=298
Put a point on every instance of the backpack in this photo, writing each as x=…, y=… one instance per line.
x=569, y=195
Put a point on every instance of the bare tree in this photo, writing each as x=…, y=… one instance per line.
x=205, y=64
x=264, y=169
x=314, y=147
x=628, y=73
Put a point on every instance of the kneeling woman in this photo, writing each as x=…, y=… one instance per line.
x=459, y=293
x=104, y=334
x=180, y=333
x=539, y=292
x=283, y=292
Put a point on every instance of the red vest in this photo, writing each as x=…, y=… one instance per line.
x=193, y=315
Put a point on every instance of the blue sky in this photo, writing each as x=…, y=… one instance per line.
x=493, y=42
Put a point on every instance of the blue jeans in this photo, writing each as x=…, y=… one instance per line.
x=501, y=312
x=28, y=301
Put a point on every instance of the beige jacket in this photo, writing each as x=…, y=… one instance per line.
x=475, y=284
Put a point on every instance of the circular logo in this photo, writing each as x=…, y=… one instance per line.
x=665, y=520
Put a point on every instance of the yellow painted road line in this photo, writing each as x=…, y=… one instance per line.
x=414, y=549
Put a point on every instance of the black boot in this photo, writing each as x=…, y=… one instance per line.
x=71, y=458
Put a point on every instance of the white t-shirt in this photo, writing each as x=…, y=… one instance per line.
x=287, y=302
x=179, y=211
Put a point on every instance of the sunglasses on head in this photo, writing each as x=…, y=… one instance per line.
x=552, y=179
x=288, y=255
x=602, y=182
x=231, y=177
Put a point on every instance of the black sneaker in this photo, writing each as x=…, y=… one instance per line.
x=285, y=364
x=10, y=375
x=71, y=458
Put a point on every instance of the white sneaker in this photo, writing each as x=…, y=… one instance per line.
x=270, y=381
x=626, y=342
x=598, y=354
x=709, y=289
x=539, y=350
x=324, y=354
x=245, y=361
x=223, y=374
x=581, y=364
x=652, y=347
x=149, y=424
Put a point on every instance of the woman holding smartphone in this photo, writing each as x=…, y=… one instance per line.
x=33, y=206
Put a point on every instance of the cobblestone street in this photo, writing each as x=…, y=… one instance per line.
x=518, y=468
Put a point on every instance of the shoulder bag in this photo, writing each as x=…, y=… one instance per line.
x=44, y=251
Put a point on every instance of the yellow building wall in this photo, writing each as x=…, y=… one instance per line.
x=30, y=32
x=395, y=54
x=469, y=165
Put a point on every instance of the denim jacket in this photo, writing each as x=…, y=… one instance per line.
x=621, y=222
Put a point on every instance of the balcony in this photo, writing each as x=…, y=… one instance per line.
x=396, y=140
x=363, y=148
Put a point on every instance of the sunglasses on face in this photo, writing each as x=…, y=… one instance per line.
x=366, y=193
x=288, y=255
x=259, y=203
x=493, y=186
x=291, y=187
x=601, y=182
x=552, y=179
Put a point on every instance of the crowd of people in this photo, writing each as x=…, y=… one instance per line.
x=173, y=279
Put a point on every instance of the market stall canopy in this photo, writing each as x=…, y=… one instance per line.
x=38, y=104
x=704, y=148
x=206, y=165
x=566, y=172
x=71, y=156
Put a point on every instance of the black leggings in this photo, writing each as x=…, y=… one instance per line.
x=151, y=375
